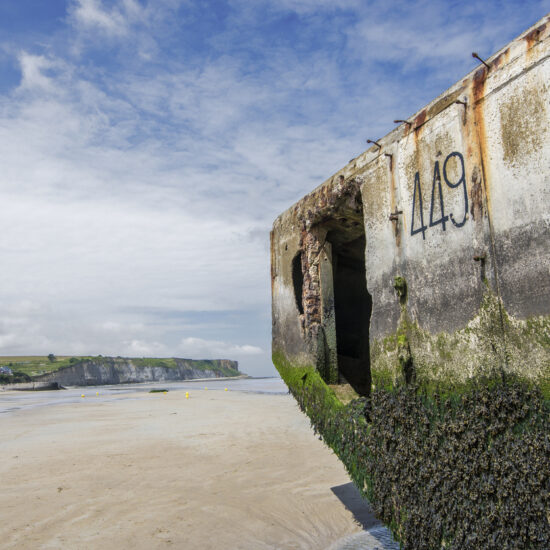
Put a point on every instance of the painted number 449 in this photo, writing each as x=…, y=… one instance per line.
x=437, y=196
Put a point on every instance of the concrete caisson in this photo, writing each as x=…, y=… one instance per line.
x=427, y=257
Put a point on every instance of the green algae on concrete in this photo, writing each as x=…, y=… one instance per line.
x=492, y=344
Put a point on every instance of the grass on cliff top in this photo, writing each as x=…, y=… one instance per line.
x=35, y=365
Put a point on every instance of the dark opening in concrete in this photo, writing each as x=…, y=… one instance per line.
x=352, y=305
x=298, y=281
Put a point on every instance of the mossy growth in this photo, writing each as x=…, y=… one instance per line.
x=344, y=392
x=305, y=380
x=492, y=345
x=468, y=469
x=400, y=285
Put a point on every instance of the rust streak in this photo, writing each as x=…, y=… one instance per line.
x=478, y=90
x=533, y=36
x=479, y=83
x=501, y=59
x=476, y=196
x=393, y=205
x=420, y=119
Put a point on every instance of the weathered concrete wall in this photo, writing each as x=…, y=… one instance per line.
x=455, y=206
x=123, y=371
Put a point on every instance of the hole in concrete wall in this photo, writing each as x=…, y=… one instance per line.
x=298, y=281
x=352, y=305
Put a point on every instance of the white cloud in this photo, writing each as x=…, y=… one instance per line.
x=32, y=72
x=117, y=327
x=432, y=37
x=141, y=348
x=131, y=27
x=210, y=349
x=90, y=14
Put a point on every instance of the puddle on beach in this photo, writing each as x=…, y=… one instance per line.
x=21, y=400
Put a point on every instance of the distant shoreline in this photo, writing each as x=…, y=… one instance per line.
x=50, y=386
x=37, y=372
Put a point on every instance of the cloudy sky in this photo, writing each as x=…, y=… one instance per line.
x=146, y=147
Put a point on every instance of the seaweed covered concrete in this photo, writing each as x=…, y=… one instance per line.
x=416, y=282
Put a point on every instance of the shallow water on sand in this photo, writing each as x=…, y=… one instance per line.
x=11, y=401
x=376, y=538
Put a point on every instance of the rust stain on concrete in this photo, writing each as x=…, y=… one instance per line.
x=478, y=93
x=420, y=119
x=501, y=59
x=533, y=36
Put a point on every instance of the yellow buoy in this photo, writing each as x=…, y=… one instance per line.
x=97, y=393
x=205, y=388
x=225, y=389
x=186, y=395
x=82, y=395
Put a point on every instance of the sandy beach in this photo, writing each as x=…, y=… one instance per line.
x=221, y=469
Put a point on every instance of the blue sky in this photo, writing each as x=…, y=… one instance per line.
x=147, y=147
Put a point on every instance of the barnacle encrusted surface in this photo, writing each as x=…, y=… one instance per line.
x=464, y=469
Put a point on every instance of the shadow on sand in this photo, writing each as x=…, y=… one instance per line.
x=358, y=506
x=374, y=535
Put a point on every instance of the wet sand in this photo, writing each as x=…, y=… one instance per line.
x=221, y=469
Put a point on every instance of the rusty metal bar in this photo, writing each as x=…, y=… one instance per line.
x=375, y=143
x=394, y=215
x=398, y=121
x=474, y=54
